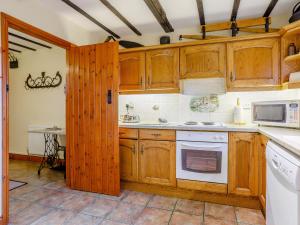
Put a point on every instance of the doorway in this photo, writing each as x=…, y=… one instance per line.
x=13, y=25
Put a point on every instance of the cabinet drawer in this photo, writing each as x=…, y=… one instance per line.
x=128, y=133
x=150, y=134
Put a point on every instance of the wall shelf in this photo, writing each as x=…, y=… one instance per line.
x=292, y=57
x=293, y=85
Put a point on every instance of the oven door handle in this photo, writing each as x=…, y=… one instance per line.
x=201, y=147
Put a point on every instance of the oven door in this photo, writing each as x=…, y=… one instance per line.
x=202, y=161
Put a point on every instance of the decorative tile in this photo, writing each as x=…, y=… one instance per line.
x=137, y=198
x=250, y=216
x=190, y=207
x=29, y=215
x=222, y=212
x=212, y=221
x=162, y=202
x=185, y=219
x=125, y=213
x=82, y=219
x=77, y=202
x=55, y=217
x=100, y=208
x=151, y=216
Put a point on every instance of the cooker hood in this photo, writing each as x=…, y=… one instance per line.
x=203, y=86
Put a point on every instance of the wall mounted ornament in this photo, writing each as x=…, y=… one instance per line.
x=43, y=81
x=204, y=104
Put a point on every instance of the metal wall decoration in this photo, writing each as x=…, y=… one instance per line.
x=13, y=61
x=204, y=104
x=43, y=81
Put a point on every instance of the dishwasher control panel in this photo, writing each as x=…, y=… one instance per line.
x=285, y=163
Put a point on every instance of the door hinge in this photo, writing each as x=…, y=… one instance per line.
x=7, y=88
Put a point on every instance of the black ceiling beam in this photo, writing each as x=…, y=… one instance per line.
x=159, y=14
x=270, y=8
x=201, y=12
x=120, y=16
x=22, y=46
x=235, y=8
x=82, y=12
x=14, y=50
x=29, y=40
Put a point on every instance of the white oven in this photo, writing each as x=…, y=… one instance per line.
x=202, y=156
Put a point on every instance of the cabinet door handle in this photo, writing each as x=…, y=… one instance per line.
x=156, y=135
x=142, y=149
x=141, y=82
x=133, y=149
x=232, y=77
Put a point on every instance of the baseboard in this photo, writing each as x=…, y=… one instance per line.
x=31, y=158
x=247, y=202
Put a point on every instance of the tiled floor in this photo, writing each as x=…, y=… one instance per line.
x=47, y=201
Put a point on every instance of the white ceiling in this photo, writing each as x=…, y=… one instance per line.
x=181, y=14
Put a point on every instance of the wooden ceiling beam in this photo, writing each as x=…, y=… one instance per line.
x=29, y=40
x=121, y=17
x=159, y=14
x=199, y=37
x=14, y=50
x=270, y=8
x=22, y=46
x=85, y=14
x=258, y=30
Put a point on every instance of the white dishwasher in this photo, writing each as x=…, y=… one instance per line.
x=283, y=186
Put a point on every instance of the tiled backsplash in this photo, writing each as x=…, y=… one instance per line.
x=176, y=107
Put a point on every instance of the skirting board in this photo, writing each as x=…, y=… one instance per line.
x=25, y=157
x=247, y=202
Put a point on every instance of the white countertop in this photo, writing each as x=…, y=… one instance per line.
x=59, y=131
x=288, y=138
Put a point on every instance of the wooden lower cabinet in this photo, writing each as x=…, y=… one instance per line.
x=157, y=162
x=262, y=170
x=128, y=159
x=243, y=164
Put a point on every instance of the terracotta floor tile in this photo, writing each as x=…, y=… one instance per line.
x=185, y=219
x=55, y=200
x=82, y=219
x=16, y=206
x=222, y=212
x=125, y=213
x=101, y=207
x=212, y=221
x=162, y=202
x=77, y=203
x=250, y=216
x=109, y=222
x=55, y=217
x=37, y=194
x=29, y=214
x=190, y=207
x=137, y=198
x=151, y=216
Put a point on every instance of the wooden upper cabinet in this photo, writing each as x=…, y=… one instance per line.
x=243, y=164
x=157, y=162
x=253, y=64
x=128, y=159
x=162, y=69
x=132, y=71
x=202, y=61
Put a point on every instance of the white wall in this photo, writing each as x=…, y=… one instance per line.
x=175, y=107
x=35, y=106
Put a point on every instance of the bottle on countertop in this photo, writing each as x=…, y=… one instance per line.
x=238, y=117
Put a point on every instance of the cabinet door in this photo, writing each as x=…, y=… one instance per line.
x=243, y=164
x=202, y=61
x=253, y=64
x=132, y=71
x=262, y=145
x=157, y=162
x=162, y=69
x=128, y=159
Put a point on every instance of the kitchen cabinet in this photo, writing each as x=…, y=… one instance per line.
x=128, y=159
x=162, y=69
x=203, y=61
x=243, y=164
x=132, y=71
x=262, y=145
x=157, y=162
x=253, y=64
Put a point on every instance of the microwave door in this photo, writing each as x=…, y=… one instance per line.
x=270, y=113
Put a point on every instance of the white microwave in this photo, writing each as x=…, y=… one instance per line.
x=277, y=113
